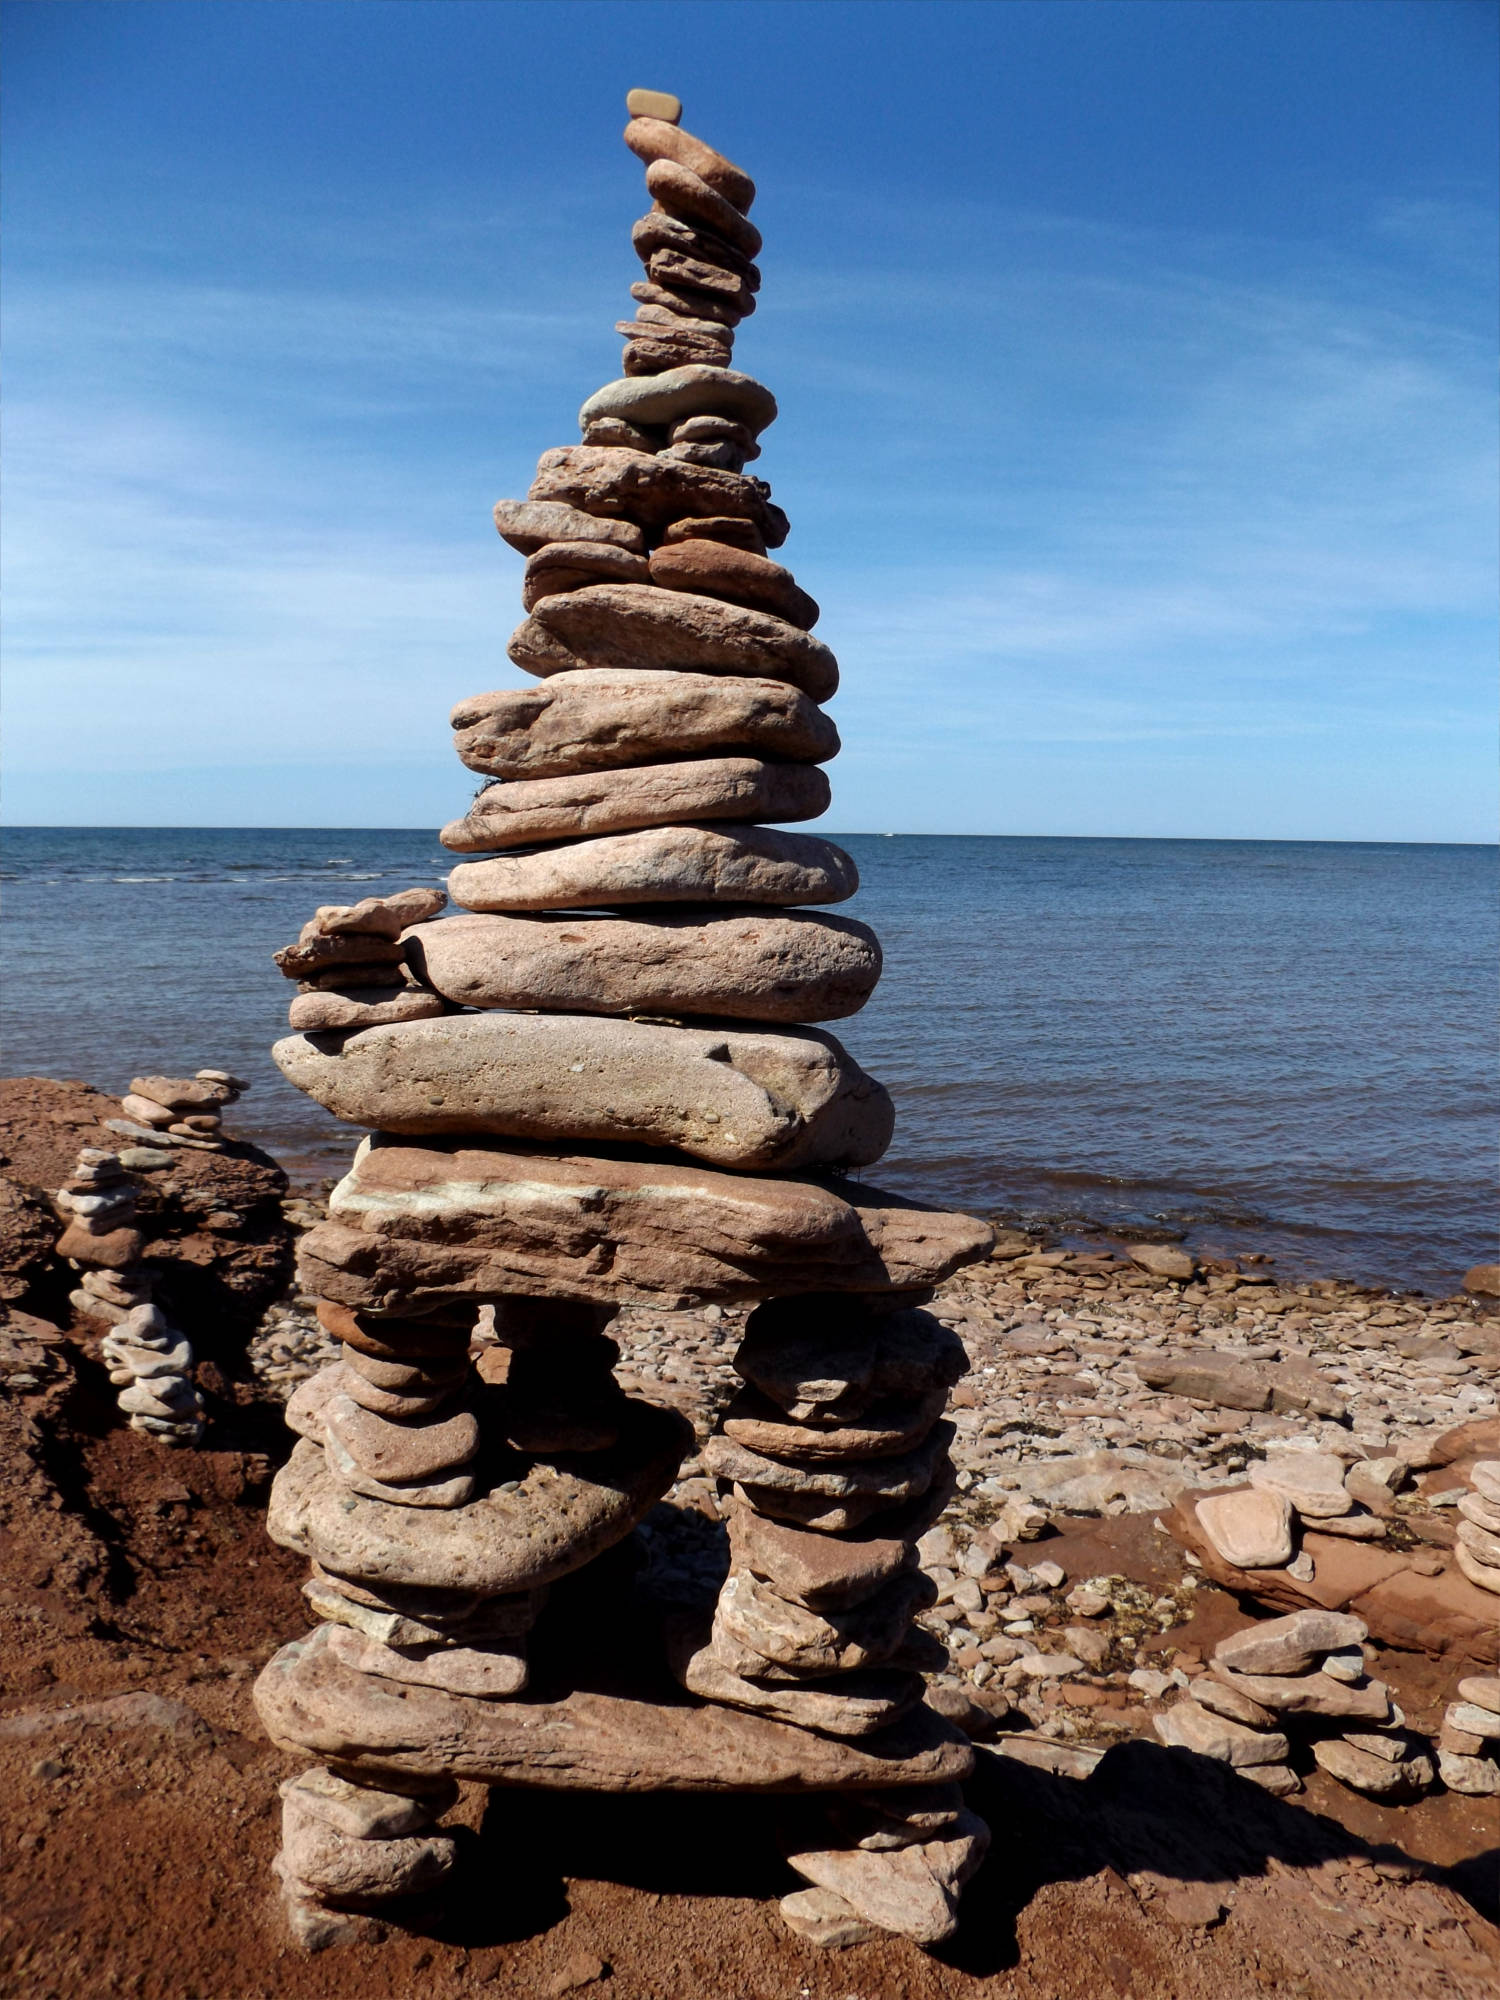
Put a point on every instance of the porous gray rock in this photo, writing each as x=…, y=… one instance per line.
x=747, y=964
x=640, y=625
x=668, y=864
x=411, y=1228
x=521, y=812
x=600, y=719
x=682, y=392
x=736, y=1097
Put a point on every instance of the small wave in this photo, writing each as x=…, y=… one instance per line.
x=142, y=878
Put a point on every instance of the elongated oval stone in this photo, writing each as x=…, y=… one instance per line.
x=604, y=718
x=522, y=812
x=761, y=1099
x=643, y=625
x=743, y=964
x=667, y=864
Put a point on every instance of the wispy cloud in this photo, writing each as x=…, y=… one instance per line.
x=1085, y=488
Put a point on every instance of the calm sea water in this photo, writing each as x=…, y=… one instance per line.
x=1277, y=1046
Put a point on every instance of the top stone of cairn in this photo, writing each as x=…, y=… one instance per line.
x=654, y=104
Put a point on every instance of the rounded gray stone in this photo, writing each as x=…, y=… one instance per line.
x=683, y=392
x=735, y=1097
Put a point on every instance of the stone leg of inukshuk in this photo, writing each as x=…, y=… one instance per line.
x=631, y=1107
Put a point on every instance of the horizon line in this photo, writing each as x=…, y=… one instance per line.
x=1203, y=839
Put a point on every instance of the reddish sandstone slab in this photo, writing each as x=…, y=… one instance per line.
x=590, y=1742
x=417, y=1225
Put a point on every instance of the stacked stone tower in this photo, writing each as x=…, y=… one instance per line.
x=602, y=1084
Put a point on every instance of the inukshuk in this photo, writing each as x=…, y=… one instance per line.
x=599, y=1086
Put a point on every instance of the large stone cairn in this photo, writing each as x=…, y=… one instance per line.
x=597, y=1085
x=1300, y=1682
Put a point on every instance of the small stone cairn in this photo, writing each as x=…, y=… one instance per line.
x=148, y=1361
x=1469, y=1741
x=1300, y=1678
x=178, y=1110
x=596, y=1085
x=1477, y=1552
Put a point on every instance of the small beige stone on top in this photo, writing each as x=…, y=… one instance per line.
x=654, y=104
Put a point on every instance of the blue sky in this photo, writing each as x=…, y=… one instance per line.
x=1134, y=363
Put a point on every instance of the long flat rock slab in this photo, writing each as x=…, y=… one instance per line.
x=642, y=625
x=602, y=718
x=523, y=811
x=308, y=1701
x=448, y=1221
x=741, y=964
x=661, y=864
x=735, y=1097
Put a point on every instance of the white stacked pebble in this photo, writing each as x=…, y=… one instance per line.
x=150, y=1363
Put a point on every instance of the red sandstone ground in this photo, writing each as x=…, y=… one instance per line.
x=138, y=1596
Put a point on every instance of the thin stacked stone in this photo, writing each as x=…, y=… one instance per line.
x=1468, y=1744
x=178, y=1110
x=602, y=1083
x=1477, y=1551
x=1300, y=1679
x=148, y=1360
x=350, y=964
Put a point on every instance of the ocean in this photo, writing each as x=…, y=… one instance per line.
x=1285, y=1047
